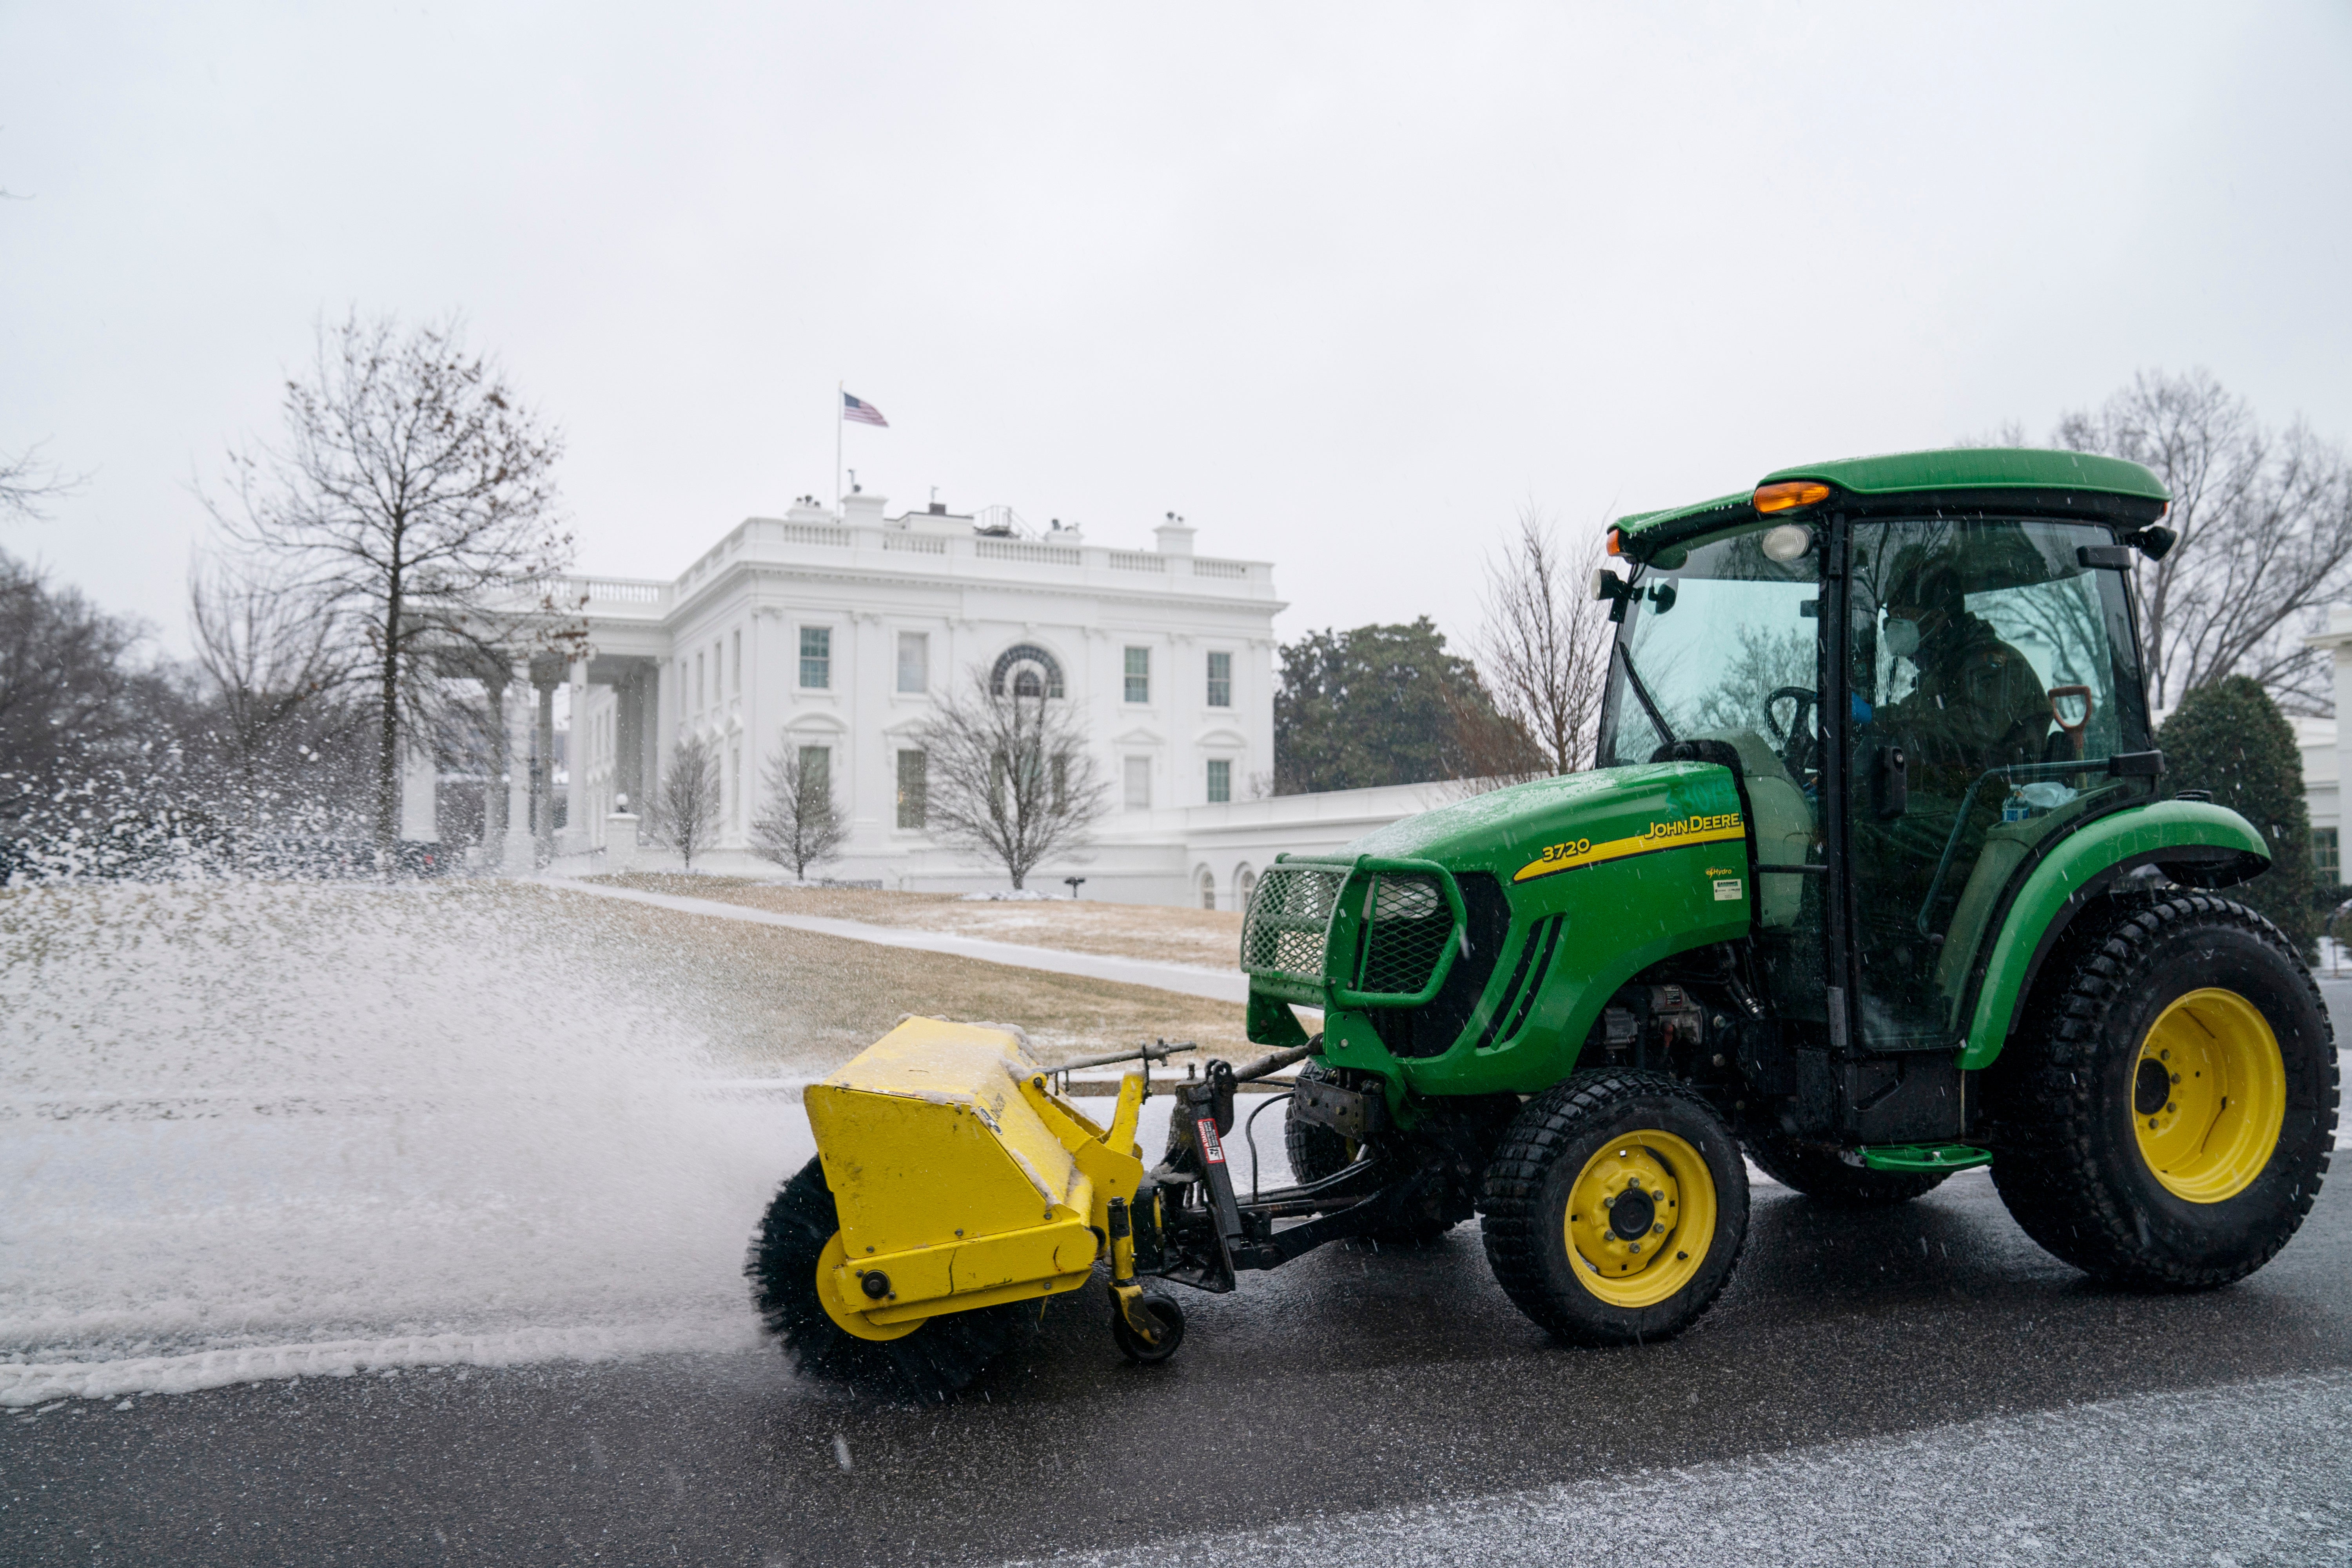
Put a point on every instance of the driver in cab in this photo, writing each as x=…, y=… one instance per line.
x=1977, y=702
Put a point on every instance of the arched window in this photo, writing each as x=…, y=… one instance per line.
x=1208, y=889
x=1245, y=885
x=1033, y=672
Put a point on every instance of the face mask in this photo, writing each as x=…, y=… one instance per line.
x=1901, y=639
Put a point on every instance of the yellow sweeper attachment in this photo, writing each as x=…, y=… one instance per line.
x=961, y=1179
x=954, y=1193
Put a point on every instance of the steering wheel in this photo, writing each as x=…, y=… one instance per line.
x=1794, y=743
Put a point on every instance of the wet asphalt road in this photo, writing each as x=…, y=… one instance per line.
x=1344, y=1383
x=1347, y=1382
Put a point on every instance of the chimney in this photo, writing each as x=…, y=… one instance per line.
x=861, y=510
x=1175, y=536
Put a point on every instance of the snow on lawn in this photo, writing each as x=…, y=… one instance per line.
x=267, y=1131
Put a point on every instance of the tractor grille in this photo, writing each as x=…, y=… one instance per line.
x=1289, y=920
x=1405, y=936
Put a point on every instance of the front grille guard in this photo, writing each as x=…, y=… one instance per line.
x=1364, y=932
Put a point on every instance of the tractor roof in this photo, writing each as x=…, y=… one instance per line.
x=2009, y=470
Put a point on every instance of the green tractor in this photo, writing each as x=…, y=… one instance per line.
x=1873, y=883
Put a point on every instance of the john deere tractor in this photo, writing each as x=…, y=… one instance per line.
x=1874, y=880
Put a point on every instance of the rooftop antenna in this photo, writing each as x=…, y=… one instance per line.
x=935, y=495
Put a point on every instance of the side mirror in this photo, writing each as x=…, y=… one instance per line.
x=2154, y=541
x=1606, y=586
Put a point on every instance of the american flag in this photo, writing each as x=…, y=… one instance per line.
x=863, y=412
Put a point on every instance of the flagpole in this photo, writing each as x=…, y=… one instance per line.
x=839, y=390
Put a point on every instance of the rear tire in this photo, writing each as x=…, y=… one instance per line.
x=1830, y=1180
x=1561, y=1235
x=935, y=1361
x=2169, y=1123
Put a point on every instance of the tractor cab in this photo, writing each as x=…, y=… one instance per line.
x=1923, y=672
x=1914, y=697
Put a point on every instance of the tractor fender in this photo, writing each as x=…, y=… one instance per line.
x=2193, y=842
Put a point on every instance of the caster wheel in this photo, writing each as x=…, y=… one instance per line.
x=1134, y=1346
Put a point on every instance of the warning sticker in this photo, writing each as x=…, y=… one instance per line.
x=1211, y=1148
x=1727, y=890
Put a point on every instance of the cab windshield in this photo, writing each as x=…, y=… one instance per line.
x=1721, y=643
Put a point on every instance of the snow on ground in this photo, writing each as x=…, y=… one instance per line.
x=261, y=1131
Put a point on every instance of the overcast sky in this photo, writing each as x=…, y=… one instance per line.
x=1345, y=285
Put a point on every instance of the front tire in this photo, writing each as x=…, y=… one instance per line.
x=931, y=1361
x=2171, y=1121
x=1615, y=1208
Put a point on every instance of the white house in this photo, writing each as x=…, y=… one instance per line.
x=836, y=633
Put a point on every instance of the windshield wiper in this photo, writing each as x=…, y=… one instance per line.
x=1641, y=695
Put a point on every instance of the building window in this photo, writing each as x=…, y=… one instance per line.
x=914, y=661
x=1139, y=783
x=1221, y=781
x=1208, y=889
x=913, y=781
x=1221, y=680
x=2325, y=860
x=817, y=658
x=699, y=698
x=1244, y=887
x=1138, y=675
x=735, y=665
x=1032, y=671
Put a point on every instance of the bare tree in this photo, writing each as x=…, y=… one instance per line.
x=2265, y=524
x=685, y=808
x=274, y=663
x=1008, y=776
x=413, y=493
x=27, y=482
x=1544, y=647
x=798, y=824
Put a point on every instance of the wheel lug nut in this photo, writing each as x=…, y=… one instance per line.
x=1657, y=1230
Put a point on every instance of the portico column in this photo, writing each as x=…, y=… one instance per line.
x=632, y=737
x=519, y=860
x=494, y=787
x=579, y=833
x=546, y=673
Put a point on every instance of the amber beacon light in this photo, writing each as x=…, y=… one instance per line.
x=1790, y=495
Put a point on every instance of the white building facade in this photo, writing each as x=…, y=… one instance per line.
x=836, y=635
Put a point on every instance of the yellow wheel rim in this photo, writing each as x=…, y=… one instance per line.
x=2209, y=1096
x=1640, y=1218
x=834, y=1255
